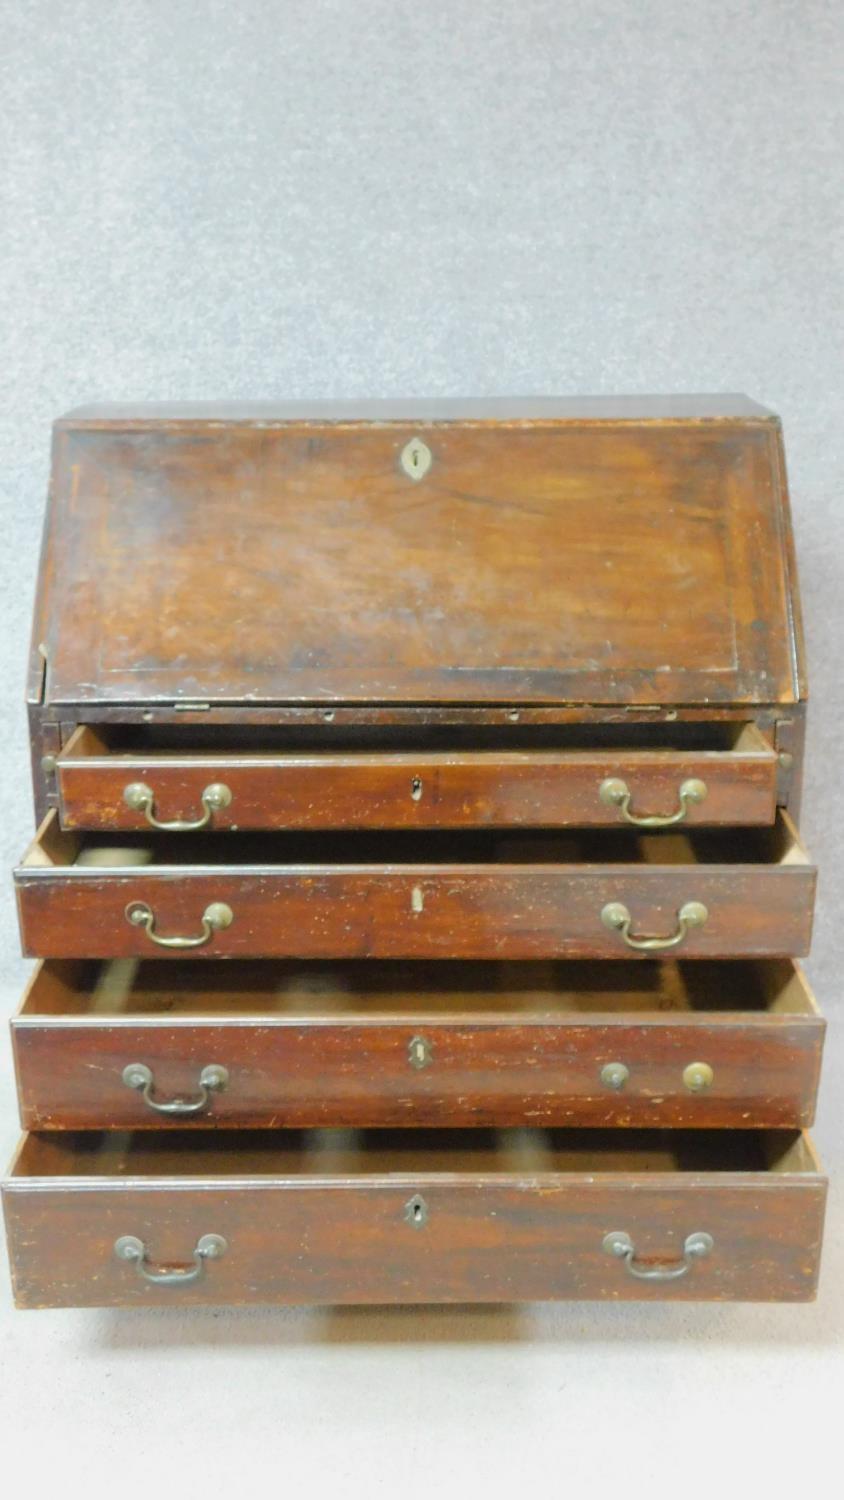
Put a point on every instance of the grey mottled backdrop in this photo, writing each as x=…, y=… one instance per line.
x=323, y=197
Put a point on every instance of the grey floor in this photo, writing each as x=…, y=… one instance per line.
x=378, y=197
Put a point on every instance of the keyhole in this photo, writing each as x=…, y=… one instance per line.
x=419, y=1052
x=415, y=459
x=416, y=1211
x=416, y=788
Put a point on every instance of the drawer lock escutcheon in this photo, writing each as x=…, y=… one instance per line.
x=212, y=1079
x=141, y=798
x=696, y=1247
x=416, y=1211
x=209, y=1247
x=419, y=1052
x=617, y=918
x=214, y=918
x=615, y=793
x=415, y=458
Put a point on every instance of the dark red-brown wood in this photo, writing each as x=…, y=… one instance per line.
x=326, y=1219
x=552, y=553
x=339, y=1044
x=263, y=595
x=455, y=788
x=522, y=897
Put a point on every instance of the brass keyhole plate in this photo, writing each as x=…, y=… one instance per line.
x=416, y=459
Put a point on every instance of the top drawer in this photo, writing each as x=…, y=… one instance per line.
x=722, y=775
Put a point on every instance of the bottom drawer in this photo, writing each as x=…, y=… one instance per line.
x=330, y=1216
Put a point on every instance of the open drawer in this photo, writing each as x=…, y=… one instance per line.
x=124, y=1044
x=715, y=774
x=345, y=1216
x=605, y=894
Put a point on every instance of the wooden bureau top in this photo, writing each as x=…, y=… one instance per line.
x=593, y=551
x=502, y=409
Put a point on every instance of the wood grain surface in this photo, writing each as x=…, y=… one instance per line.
x=545, y=557
x=415, y=789
x=331, y=1044
x=326, y=1218
x=378, y=896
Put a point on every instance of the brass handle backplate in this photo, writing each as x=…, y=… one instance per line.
x=616, y=916
x=214, y=918
x=698, y=1077
x=209, y=1247
x=696, y=1247
x=212, y=1079
x=615, y=793
x=614, y=1075
x=141, y=798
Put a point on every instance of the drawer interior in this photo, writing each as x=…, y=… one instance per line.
x=350, y=1154
x=329, y=738
x=440, y=989
x=777, y=845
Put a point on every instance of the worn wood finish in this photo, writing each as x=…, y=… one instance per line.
x=437, y=672
x=415, y=789
x=409, y=896
x=51, y=728
x=338, y=1043
x=324, y=1218
x=287, y=557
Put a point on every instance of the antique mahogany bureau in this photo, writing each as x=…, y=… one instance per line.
x=417, y=883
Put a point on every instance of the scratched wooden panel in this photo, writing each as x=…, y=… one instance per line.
x=251, y=560
x=458, y=789
x=330, y=1044
x=408, y=894
x=517, y=1225
x=502, y=1069
x=420, y=912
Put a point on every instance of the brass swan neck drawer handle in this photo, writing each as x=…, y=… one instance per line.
x=615, y=793
x=696, y=1247
x=214, y=918
x=616, y=916
x=209, y=1247
x=212, y=1079
x=141, y=798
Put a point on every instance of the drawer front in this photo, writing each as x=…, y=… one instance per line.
x=414, y=1237
x=375, y=1060
x=425, y=790
x=416, y=912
